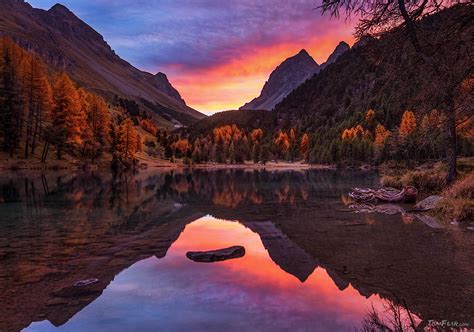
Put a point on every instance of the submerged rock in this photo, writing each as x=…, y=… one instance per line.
x=428, y=203
x=216, y=255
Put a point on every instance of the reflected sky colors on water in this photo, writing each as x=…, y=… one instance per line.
x=312, y=263
x=253, y=292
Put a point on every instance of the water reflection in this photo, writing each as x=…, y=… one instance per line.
x=312, y=262
x=249, y=292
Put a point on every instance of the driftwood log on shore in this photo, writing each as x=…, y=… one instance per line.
x=392, y=195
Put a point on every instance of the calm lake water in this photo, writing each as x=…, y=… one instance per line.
x=313, y=262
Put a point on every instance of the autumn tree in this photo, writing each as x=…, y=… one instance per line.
x=149, y=126
x=42, y=111
x=256, y=135
x=444, y=52
x=182, y=146
x=283, y=143
x=381, y=135
x=127, y=140
x=407, y=124
x=431, y=127
x=37, y=100
x=95, y=136
x=68, y=119
x=304, y=146
x=11, y=112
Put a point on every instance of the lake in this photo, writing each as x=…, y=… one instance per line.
x=313, y=261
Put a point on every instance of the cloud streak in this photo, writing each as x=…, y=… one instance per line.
x=217, y=53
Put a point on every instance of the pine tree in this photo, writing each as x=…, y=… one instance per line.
x=264, y=154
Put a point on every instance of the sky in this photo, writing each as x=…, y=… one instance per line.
x=218, y=54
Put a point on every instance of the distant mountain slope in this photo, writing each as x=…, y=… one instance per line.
x=290, y=74
x=67, y=43
x=284, y=79
x=246, y=119
x=376, y=73
x=340, y=49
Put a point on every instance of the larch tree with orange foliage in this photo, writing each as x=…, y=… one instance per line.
x=127, y=140
x=182, y=146
x=381, y=136
x=408, y=124
x=304, y=146
x=95, y=135
x=149, y=126
x=256, y=135
x=31, y=71
x=68, y=118
x=283, y=143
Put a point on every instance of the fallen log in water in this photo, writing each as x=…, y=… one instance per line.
x=392, y=195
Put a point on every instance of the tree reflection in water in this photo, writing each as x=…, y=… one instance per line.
x=58, y=228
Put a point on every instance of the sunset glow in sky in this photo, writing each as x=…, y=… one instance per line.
x=218, y=54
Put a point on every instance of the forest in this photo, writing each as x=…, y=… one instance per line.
x=44, y=113
x=365, y=109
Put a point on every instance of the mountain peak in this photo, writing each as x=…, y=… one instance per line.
x=160, y=80
x=284, y=79
x=303, y=52
x=343, y=45
x=340, y=49
x=60, y=9
x=161, y=75
x=363, y=41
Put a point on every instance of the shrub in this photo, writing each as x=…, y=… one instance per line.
x=425, y=180
x=458, y=209
x=391, y=181
x=459, y=202
x=462, y=189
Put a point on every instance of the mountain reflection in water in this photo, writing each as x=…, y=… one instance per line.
x=310, y=263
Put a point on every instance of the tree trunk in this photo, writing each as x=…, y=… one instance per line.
x=35, y=132
x=452, y=147
x=45, y=152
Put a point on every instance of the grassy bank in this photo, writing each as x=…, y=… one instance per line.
x=430, y=179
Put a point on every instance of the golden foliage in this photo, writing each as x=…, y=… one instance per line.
x=408, y=124
x=67, y=112
x=181, y=145
x=370, y=116
x=149, y=126
x=381, y=135
x=304, y=147
x=282, y=141
x=128, y=140
x=352, y=133
x=256, y=135
x=227, y=133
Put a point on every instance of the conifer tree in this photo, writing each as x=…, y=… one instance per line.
x=68, y=119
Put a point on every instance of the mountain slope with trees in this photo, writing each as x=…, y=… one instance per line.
x=66, y=43
x=376, y=103
x=45, y=115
